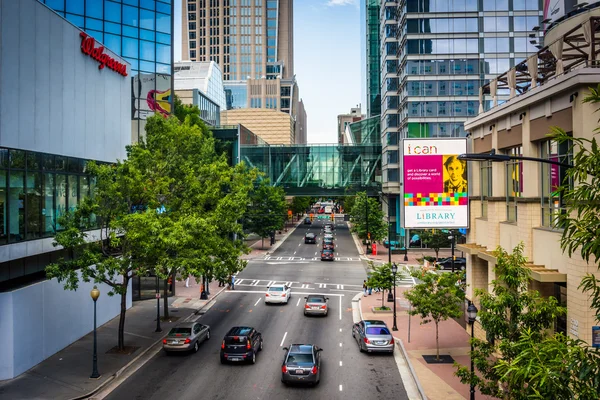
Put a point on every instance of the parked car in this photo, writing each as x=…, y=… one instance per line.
x=316, y=304
x=460, y=263
x=241, y=344
x=186, y=337
x=307, y=221
x=301, y=364
x=278, y=293
x=373, y=336
x=327, y=255
x=310, y=238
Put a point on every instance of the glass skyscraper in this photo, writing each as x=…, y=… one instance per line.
x=373, y=57
x=140, y=31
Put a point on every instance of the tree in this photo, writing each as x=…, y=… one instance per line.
x=300, y=204
x=267, y=209
x=435, y=239
x=358, y=216
x=382, y=277
x=507, y=312
x=436, y=299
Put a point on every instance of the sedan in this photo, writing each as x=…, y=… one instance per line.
x=373, y=336
x=307, y=221
x=301, y=364
x=316, y=304
x=460, y=263
x=278, y=294
x=310, y=238
x=327, y=255
x=186, y=337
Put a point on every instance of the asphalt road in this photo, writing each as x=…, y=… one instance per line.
x=346, y=373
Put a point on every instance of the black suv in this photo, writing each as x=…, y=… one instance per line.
x=310, y=238
x=241, y=344
x=460, y=263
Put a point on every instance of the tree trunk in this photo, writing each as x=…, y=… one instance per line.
x=437, y=341
x=382, y=297
x=262, y=247
x=166, y=298
x=121, y=344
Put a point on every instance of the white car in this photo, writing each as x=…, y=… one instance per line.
x=279, y=293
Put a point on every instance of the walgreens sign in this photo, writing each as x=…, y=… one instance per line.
x=88, y=47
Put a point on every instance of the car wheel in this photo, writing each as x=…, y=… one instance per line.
x=353, y=334
x=261, y=345
x=223, y=361
x=360, y=347
x=208, y=335
x=253, y=359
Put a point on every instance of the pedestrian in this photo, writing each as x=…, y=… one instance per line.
x=232, y=282
x=187, y=281
x=370, y=290
x=365, y=286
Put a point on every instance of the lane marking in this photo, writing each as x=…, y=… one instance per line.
x=340, y=344
x=342, y=287
x=299, y=244
x=238, y=281
x=340, y=388
x=340, y=329
x=257, y=301
x=340, y=311
x=283, y=340
x=270, y=283
x=340, y=363
x=298, y=303
x=263, y=292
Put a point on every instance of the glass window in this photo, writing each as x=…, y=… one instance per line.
x=147, y=66
x=166, y=39
x=163, y=23
x=93, y=8
x=149, y=4
x=73, y=198
x=130, y=16
x=33, y=205
x=146, y=34
x=163, y=53
x=553, y=176
x=131, y=2
x=3, y=205
x=16, y=201
x=485, y=180
x=112, y=11
x=61, y=198
x=113, y=42
x=130, y=47
x=520, y=5
x=56, y=5
x=74, y=6
x=147, y=19
x=147, y=50
x=514, y=183
x=48, y=220
x=163, y=8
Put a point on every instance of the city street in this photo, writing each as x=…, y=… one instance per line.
x=346, y=373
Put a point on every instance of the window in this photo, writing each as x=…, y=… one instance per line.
x=514, y=183
x=485, y=180
x=552, y=177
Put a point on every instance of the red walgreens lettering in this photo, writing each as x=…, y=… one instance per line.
x=97, y=53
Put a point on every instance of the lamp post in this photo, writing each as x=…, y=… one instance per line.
x=389, y=241
x=158, y=328
x=394, y=271
x=367, y=221
x=95, y=293
x=472, y=313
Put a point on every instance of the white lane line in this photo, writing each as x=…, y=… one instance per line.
x=289, y=284
x=294, y=293
x=299, y=244
x=257, y=301
x=340, y=344
x=270, y=283
x=315, y=253
x=340, y=311
x=298, y=303
x=283, y=340
x=342, y=287
x=340, y=388
x=340, y=329
x=340, y=363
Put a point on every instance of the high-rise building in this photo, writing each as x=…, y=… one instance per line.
x=249, y=39
x=301, y=127
x=140, y=31
x=373, y=57
x=343, y=120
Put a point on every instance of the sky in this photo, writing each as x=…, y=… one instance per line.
x=327, y=61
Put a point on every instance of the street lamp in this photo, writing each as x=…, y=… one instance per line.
x=394, y=271
x=492, y=156
x=158, y=328
x=95, y=293
x=472, y=313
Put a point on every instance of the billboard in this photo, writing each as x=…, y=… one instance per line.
x=152, y=94
x=435, y=188
x=556, y=9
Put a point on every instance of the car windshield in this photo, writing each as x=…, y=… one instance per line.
x=276, y=289
x=377, y=330
x=315, y=300
x=300, y=358
x=180, y=331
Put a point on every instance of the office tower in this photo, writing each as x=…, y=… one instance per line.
x=343, y=120
x=249, y=39
x=372, y=57
x=141, y=32
x=301, y=124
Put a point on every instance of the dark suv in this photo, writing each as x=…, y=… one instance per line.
x=240, y=344
x=310, y=238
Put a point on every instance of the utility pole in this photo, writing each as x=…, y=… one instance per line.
x=453, y=236
x=367, y=220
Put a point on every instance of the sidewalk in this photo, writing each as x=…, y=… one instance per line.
x=256, y=245
x=437, y=380
x=66, y=374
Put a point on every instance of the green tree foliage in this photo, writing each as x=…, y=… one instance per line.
x=509, y=311
x=348, y=203
x=172, y=206
x=267, y=209
x=437, y=298
x=382, y=277
x=358, y=217
x=300, y=204
x=435, y=239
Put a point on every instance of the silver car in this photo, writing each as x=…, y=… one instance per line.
x=186, y=337
x=373, y=336
x=316, y=304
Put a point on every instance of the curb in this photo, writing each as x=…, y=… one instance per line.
x=130, y=363
x=410, y=367
x=283, y=239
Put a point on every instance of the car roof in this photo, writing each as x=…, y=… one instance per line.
x=322, y=296
x=301, y=348
x=186, y=325
x=239, y=331
x=310, y=234
x=374, y=322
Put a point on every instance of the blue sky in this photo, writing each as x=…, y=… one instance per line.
x=327, y=61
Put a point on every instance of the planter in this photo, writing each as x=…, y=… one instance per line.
x=376, y=311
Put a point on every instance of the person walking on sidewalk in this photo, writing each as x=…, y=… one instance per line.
x=187, y=281
x=365, y=286
x=232, y=284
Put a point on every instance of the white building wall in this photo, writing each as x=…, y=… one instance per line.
x=53, y=97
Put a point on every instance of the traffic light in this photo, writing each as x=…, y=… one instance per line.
x=312, y=217
x=369, y=235
x=332, y=216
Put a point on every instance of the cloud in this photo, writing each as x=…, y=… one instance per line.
x=332, y=3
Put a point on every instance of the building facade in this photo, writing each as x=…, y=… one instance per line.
x=343, y=120
x=204, y=76
x=65, y=99
x=141, y=32
x=272, y=126
x=247, y=38
x=373, y=57
x=515, y=201
x=301, y=124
